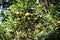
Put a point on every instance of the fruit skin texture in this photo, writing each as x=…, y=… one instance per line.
x=27, y=14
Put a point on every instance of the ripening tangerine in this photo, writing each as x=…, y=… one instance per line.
x=27, y=14
x=58, y=22
x=17, y=12
x=18, y=18
x=29, y=18
x=10, y=31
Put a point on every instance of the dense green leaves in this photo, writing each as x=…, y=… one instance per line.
x=27, y=20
